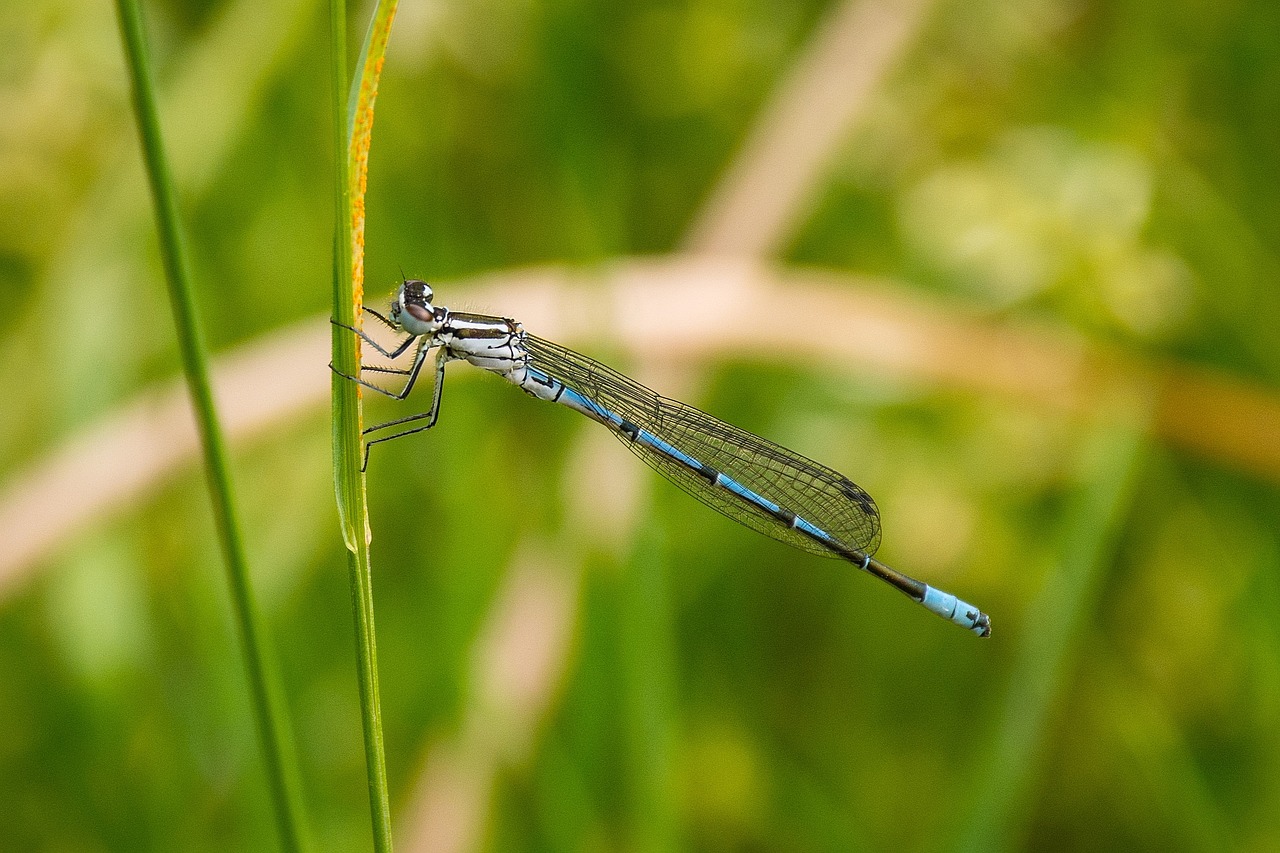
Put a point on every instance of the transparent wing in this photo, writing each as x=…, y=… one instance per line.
x=812, y=491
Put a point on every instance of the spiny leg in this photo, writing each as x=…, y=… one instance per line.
x=383, y=391
x=392, y=354
x=418, y=359
x=431, y=416
x=377, y=368
x=385, y=321
x=368, y=445
x=436, y=396
x=407, y=419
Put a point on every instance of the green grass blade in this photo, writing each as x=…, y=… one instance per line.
x=267, y=701
x=648, y=665
x=351, y=142
x=1005, y=780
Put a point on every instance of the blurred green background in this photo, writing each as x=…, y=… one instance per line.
x=560, y=674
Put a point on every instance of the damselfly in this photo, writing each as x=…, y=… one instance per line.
x=753, y=481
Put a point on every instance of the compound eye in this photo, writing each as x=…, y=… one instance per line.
x=421, y=313
x=417, y=290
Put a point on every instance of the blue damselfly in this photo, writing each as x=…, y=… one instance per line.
x=753, y=481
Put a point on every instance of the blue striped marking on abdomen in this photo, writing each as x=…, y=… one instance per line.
x=571, y=398
x=943, y=604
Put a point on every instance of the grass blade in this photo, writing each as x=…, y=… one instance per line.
x=1005, y=781
x=267, y=701
x=352, y=135
x=648, y=668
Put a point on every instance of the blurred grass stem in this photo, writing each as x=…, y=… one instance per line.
x=267, y=701
x=1051, y=637
x=649, y=671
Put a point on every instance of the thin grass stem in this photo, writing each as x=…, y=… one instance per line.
x=267, y=699
x=649, y=708
x=1004, y=779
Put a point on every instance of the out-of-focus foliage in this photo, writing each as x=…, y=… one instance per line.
x=1110, y=167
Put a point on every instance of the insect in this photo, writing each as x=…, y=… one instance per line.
x=753, y=481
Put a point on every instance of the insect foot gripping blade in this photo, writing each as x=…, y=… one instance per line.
x=960, y=612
